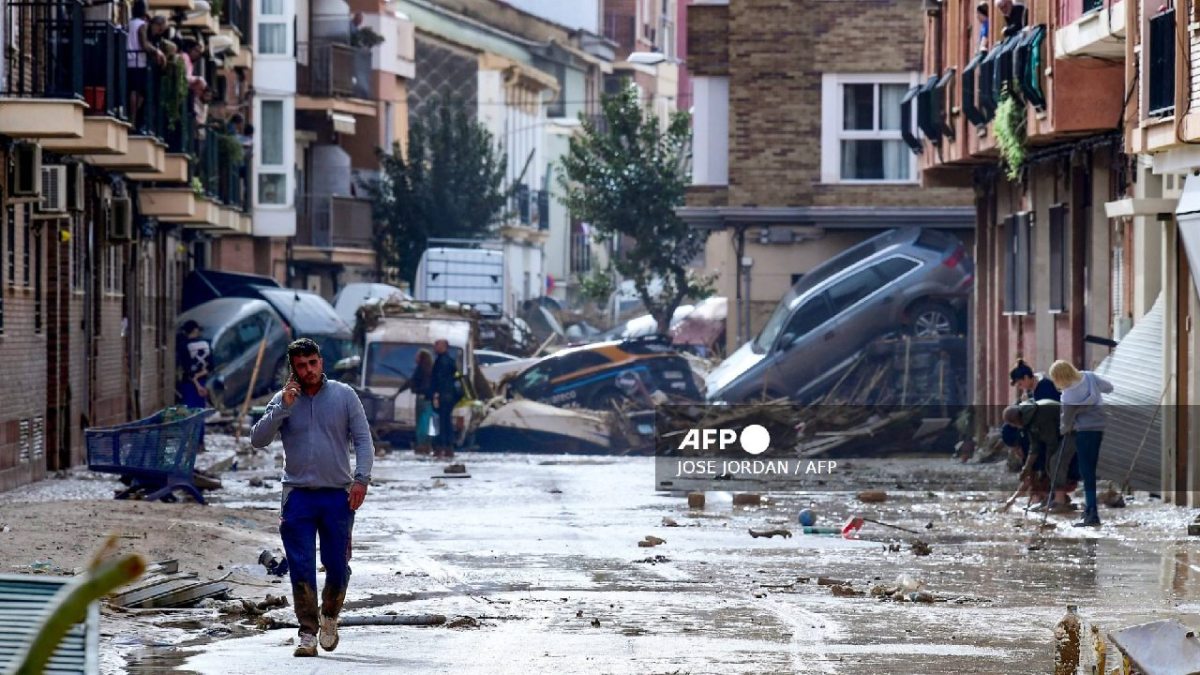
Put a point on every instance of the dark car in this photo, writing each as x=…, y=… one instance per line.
x=234, y=327
x=911, y=280
x=593, y=375
x=307, y=314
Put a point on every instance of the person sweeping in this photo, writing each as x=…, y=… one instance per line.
x=1083, y=416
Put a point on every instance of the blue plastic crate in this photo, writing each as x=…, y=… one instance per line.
x=158, y=451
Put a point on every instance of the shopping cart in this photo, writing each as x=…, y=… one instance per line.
x=157, y=453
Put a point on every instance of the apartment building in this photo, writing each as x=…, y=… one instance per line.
x=798, y=148
x=106, y=200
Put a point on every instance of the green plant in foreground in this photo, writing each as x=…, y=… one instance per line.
x=1009, y=128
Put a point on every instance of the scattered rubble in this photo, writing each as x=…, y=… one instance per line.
x=275, y=562
x=747, y=499
x=463, y=622
x=695, y=500
x=653, y=560
x=921, y=548
x=872, y=496
x=669, y=522
x=455, y=468
x=845, y=591
x=781, y=532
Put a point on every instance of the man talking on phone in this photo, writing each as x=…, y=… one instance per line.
x=318, y=420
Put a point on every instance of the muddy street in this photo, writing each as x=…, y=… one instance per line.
x=543, y=553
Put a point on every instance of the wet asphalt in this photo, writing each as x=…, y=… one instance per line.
x=542, y=551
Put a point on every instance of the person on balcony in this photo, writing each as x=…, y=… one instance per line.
x=1016, y=15
x=982, y=11
x=141, y=52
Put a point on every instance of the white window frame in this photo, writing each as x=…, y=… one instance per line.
x=285, y=167
x=832, y=134
x=285, y=19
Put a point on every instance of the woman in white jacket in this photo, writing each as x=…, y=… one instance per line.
x=1083, y=416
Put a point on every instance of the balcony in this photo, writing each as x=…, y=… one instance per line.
x=106, y=128
x=235, y=14
x=1096, y=30
x=41, y=95
x=581, y=253
x=334, y=229
x=530, y=208
x=333, y=70
x=221, y=170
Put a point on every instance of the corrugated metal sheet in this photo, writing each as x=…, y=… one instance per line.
x=1136, y=370
x=23, y=603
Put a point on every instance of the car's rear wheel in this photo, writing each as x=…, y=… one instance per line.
x=932, y=319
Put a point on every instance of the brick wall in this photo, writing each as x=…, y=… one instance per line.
x=777, y=52
x=234, y=253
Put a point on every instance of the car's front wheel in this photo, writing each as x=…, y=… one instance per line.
x=932, y=319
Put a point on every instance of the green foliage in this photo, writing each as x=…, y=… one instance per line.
x=1009, y=128
x=365, y=37
x=197, y=186
x=597, y=286
x=174, y=92
x=626, y=179
x=449, y=185
x=216, y=6
x=230, y=149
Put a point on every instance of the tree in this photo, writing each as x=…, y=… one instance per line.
x=449, y=185
x=626, y=177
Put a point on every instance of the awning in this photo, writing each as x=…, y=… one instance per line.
x=342, y=123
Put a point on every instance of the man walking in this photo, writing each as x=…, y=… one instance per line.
x=444, y=395
x=317, y=418
x=194, y=356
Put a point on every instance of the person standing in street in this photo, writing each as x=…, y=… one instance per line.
x=317, y=418
x=444, y=394
x=194, y=357
x=1083, y=416
x=421, y=384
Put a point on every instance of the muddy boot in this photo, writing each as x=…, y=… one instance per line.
x=331, y=606
x=307, y=646
x=304, y=598
x=422, y=449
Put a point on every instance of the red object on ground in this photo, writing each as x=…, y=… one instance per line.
x=852, y=526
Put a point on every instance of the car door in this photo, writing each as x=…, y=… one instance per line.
x=854, y=300
x=230, y=383
x=809, y=329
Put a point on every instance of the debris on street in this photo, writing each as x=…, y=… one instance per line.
x=779, y=532
x=651, y=541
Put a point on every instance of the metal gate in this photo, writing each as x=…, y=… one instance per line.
x=1133, y=432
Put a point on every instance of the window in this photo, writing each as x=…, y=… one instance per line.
x=1017, y=267
x=847, y=292
x=273, y=23
x=810, y=315
x=1161, y=84
x=26, y=231
x=10, y=246
x=1058, y=258
x=272, y=176
x=861, y=129
x=893, y=268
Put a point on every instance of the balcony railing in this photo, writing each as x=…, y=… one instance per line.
x=334, y=70
x=236, y=14
x=1161, y=65
x=531, y=207
x=104, y=81
x=330, y=221
x=581, y=253
x=43, y=49
x=221, y=168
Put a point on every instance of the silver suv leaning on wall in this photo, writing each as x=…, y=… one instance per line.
x=911, y=279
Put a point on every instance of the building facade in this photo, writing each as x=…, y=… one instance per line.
x=796, y=158
x=118, y=174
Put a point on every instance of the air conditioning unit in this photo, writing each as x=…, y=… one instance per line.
x=27, y=176
x=120, y=224
x=54, y=191
x=75, y=188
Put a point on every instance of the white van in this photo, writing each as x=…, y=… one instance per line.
x=390, y=356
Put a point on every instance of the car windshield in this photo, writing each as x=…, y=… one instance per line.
x=778, y=320
x=391, y=364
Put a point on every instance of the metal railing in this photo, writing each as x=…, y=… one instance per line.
x=236, y=14
x=331, y=221
x=43, y=49
x=530, y=207
x=581, y=253
x=222, y=168
x=144, y=76
x=334, y=69
x=1161, y=65
x=104, y=82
